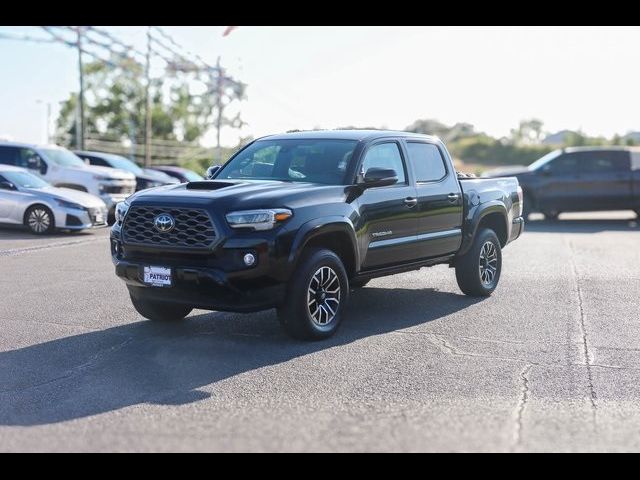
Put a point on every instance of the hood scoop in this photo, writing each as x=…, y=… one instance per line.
x=208, y=185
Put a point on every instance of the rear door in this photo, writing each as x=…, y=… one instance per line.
x=388, y=215
x=439, y=200
x=606, y=178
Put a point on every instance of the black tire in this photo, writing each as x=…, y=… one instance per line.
x=160, y=311
x=353, y=284
x=302, y=320
x=39, y=220
x=551, y=215
x=468, y=268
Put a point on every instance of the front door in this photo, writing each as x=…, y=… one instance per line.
x=561, y=187
x=388, y=215
x=439, y=201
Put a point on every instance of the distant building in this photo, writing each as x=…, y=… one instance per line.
x=558, y=138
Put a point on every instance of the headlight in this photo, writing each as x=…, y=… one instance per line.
x=121, y=211
x=102, y=178
x=258, y=219
x=65, y=204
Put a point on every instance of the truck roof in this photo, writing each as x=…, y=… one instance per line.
x=345, y=135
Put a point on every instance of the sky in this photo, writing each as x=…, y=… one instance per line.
x=326, y=77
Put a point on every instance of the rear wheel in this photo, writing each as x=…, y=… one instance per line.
x=316, y=296
x=478, y=270
x=39, y=220
x=160, y=311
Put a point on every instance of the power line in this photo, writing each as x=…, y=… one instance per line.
x=26, y=38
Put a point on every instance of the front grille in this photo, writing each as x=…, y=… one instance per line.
x=117, y=189
x=193, y=228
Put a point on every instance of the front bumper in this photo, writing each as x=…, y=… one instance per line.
x=74, y=219
x=200, y=287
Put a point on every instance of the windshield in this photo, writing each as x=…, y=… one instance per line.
x=315, y=161
x=124, y=164
x=547, y=158
x=24, y=179
x=63, y=157
x=192, y=176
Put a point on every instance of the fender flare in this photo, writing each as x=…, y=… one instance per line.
x=473, y=220
x=320, y=226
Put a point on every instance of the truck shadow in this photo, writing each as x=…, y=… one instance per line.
x=147, y=362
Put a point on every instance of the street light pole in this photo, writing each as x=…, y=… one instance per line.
x=48, y=124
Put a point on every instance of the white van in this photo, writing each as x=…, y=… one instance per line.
x=61, y=168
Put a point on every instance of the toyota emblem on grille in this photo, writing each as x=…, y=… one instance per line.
x=164, y=223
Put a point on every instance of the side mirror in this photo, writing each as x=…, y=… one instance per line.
x=7, y=186
x=546, y=170
x=211, y=171
x=380, y=177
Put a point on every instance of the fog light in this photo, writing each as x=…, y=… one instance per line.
x=249, y=259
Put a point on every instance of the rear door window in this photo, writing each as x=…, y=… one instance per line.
x=427, y=162
x=599, y=162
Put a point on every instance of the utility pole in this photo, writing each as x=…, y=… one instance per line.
x=80, y=134
x=219, y=105
x=147, y=134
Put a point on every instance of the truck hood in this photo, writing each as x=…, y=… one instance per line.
x=75, y=196
x=242, y=194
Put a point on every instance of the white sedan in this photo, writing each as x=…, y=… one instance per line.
x=26, y=199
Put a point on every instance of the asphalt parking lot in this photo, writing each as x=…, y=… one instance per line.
x=550, y=362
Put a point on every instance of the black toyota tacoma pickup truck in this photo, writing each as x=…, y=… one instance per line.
x=295, y=221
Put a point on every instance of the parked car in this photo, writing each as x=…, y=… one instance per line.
x=144, y=178
x=61, y=168
x=579, y=179
x=26, y=199
x=169, y=180
x=294, y=221
x=182, y=174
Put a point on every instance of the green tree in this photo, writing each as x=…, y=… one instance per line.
x=529, y=132
x=115, y=106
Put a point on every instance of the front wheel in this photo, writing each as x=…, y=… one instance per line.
x=39, y=220
x=316, y=296
x=160, y=311
x=478, y=270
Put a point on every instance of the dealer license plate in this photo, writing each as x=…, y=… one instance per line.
x=157, y=276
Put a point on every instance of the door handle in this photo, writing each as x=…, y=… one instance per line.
x=410, y=202
x=453, y=197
